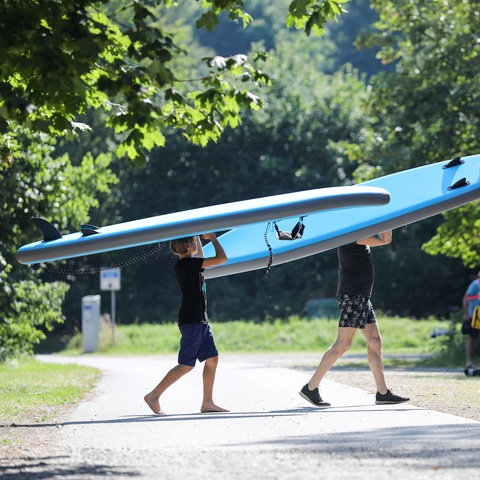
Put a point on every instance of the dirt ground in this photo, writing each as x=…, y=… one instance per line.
x=444, y=391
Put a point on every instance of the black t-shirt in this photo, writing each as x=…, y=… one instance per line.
x=189, y=273
x=356, y=273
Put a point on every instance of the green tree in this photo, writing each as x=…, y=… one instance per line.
x=60, y=58
x=283, y=148
x=427, y=110
x=40, y=184
x=458, y=236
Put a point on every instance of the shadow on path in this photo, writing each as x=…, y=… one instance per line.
x=60, y=466
x=441, y=450
x=226, y=416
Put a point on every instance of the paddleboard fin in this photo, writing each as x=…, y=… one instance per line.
x=48, y=230
x=455, y=162
x=460, y=183
x=88, y=229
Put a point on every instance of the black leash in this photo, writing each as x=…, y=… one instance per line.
x=270, y=259
x=94, y=270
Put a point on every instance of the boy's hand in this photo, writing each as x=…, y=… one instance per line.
x=220, y=255
x=209, y=236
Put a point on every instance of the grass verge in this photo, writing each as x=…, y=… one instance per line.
x=401, y=335
x=34, y=392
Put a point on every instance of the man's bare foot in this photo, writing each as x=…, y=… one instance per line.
x=211, y=408
x=154, y=404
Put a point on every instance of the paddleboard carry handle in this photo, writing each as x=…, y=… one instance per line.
x=297, y=231
x=459, y=184
x=88, y=229
x=49, y=231
x=455, y=162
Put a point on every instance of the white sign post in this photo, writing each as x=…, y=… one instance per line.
x=110, y=280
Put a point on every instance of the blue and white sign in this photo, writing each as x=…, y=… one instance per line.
x=110, y=279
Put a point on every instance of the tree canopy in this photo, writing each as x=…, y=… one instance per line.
x=60, y=58
x=427, y=109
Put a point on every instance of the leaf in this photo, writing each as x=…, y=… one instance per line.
x=218, y=62
x=159, y=72
x=209, y=20
x=3, y=125
x=81, y=126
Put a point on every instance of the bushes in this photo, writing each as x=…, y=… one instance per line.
x=34, y=308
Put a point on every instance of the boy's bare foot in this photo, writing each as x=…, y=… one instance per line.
x=211, y=408
x=154, y=404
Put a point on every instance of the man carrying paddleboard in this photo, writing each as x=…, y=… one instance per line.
x=355, y=284
x=471, y=300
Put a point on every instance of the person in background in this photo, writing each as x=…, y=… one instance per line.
x=197, y=342
x=355, y=285
x=470, y=301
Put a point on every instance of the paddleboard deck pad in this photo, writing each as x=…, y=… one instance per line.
x=415, y=194
x=91, y=239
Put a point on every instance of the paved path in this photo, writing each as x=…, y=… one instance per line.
x=270, y=433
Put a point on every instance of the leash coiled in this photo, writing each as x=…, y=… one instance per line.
x=94, y=270
x=270, y=259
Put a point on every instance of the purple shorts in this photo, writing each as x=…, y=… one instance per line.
x=196, y=344
x=356, y=311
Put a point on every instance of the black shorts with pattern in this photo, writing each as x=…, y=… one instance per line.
x=356, y=311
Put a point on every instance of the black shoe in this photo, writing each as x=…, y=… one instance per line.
x=471, y=371
x=389, y=397
x=312, y=396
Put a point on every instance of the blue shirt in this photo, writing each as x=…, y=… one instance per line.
x=473, y=290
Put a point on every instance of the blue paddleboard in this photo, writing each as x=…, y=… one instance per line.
x=415, y=194
x=92, y=239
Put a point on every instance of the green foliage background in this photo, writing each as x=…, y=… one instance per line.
x=381, y=90
x=293, y=334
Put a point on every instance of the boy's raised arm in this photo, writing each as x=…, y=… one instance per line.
x=383, y=238
x=220, y=255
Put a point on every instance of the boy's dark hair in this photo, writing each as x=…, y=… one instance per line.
x=179, y=246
